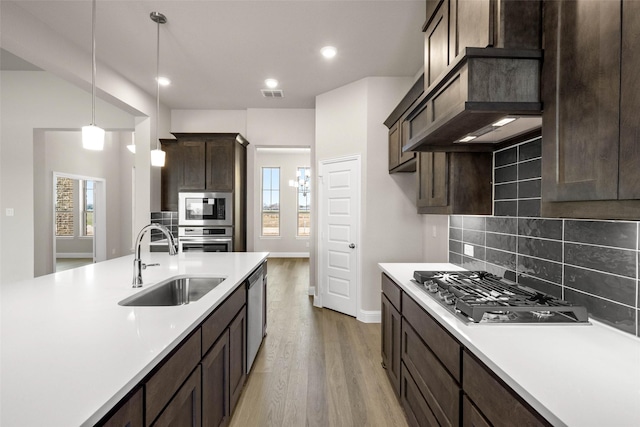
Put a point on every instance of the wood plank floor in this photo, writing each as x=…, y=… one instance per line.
x=316, y=367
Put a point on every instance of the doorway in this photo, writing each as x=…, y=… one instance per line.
x=79, y=221
x=339, y=226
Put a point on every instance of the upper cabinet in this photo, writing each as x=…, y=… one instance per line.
x=213, y=162
x=400, y=161
x=591, y=95
x=482, y=63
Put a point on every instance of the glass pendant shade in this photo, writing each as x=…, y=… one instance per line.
x=157, y=157
x=92, y=137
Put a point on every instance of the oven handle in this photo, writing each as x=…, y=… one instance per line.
x=205, y=239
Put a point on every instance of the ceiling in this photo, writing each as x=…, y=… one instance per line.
x=218, y=53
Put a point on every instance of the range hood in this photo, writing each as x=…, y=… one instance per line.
x=465, y=109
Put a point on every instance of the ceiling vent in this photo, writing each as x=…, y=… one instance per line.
x=272, y=93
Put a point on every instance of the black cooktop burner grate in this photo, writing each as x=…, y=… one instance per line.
x=481, y=296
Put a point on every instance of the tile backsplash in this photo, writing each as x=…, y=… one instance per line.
x=168, y=219
x=587, y=262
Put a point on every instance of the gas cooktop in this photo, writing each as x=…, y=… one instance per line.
x=481, y=297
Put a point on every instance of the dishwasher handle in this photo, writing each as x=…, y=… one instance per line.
x=255, y=276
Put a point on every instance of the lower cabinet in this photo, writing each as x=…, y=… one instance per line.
x=391, y=342
x=184, y=409
x=215, y=384
x=238, y=356
x=200, y=382
x=441, y=383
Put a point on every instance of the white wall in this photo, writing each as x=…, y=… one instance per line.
x=349, y=120
x=33, y=101
x=287, y=244
x=63, y=153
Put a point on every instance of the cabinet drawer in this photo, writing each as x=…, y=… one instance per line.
x=414, y=405
x=439, y=389
x=443, y=345
x=391, y=291
x=499, y=404
x=218, y=321
x=471, y=417
x=168, y=379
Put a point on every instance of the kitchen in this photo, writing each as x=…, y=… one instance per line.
x=337, y=112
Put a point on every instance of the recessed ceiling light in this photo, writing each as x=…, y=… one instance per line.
x=504, y=121
x=163, y=81
x=468, y=138
x=271, y=83
x=328, y=52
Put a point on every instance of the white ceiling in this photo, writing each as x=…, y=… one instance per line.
x=218, y=53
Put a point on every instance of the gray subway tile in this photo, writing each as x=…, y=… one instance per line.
x=610, y=260
x=495, y=269
x=530, y=169
x=506, y=157
x=546, y=270
x=506, y=174
x=455, y=221
x=502, y=224
x=473, y=223
x=505, y=242
x=540, y=285
x=473, y=237
x=547, y=249
x=503, y=259
x=455, y=258
x=545, y=228
x=530, y=150
x=606, y=233
x=617, y=315
x=620, y=289
x=455, y=246
x=506, y=191
x=528, y=189
x=473, y=264
x=455, y=233
x=505, y=208
x=529, y=208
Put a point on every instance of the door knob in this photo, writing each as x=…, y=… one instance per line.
x=352, y=245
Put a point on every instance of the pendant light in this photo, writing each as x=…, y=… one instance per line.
x=92, y=135
x=157, y=155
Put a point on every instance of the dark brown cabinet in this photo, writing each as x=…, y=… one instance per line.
x=454, y=183
x=440, y=382
x=237, y=356
x=391, y=342
x=215, y=384
x=590, y=130
x=129, y=414
x=399, y=131
x=184, y=410
x=202, y=162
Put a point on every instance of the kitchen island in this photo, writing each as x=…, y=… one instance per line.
x=70, y=353
x=572, y=375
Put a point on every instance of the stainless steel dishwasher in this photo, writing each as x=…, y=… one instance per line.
x=255, y=301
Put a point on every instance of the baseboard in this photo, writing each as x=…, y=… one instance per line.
x=74, y=255
x=370, y=316
x=288, y=254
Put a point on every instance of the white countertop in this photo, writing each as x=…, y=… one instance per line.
x=574, y=375
x=70, y=352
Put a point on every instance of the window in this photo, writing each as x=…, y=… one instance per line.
x=270, y=201
x=64, y=207
x=86, y=212
x=304, y=202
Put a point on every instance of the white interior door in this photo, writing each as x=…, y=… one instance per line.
x=339, y=206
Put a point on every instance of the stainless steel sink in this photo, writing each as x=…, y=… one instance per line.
x=177, y=290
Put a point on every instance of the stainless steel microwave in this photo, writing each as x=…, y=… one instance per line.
x=205, y=209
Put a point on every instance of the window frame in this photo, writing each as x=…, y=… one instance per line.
x=271, y=190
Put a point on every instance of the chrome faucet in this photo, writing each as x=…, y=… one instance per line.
x=138, y=265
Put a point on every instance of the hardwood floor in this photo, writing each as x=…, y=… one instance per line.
x=316, y=367
x=69, y=263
